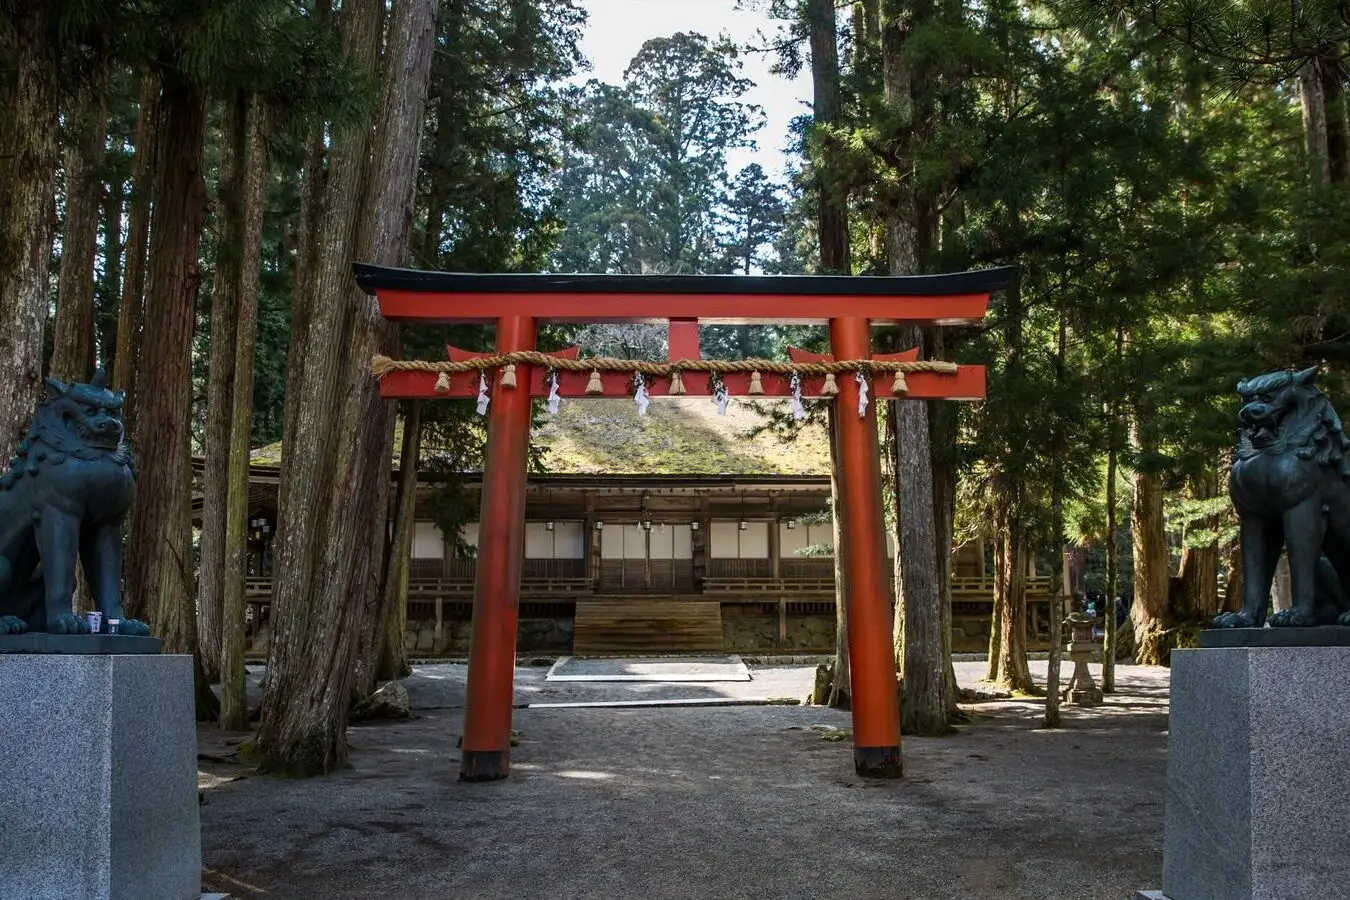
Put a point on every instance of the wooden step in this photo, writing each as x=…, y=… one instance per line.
x=607, y=626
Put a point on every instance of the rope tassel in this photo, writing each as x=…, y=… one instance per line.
x=509, y=375
x=443, y=383
x=830, y=389
x=676, y=383
x=553, y=398
x=595, y=385
x=756, y=385
x=898, y=385
x=798, y=411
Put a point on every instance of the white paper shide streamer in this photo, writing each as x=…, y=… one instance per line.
x=721, y=397
x=798, y=411
x=553, y=399
x=483, y=399
x=862, y=394
x=640, y=394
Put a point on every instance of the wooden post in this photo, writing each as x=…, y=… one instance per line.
x=438, y=635
x=782, y=622
x=775, y=550
x=501, y=552
x=876, y=702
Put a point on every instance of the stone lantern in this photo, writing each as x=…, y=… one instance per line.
x=1082, y=690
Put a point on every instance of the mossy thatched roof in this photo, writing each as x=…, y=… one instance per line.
x=683, y=436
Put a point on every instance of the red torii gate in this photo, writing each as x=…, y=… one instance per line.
x=516, y=304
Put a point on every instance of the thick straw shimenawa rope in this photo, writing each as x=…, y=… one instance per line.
x=380, y=366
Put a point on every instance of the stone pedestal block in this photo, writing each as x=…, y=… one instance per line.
x=99, y=757
x=1257, y=781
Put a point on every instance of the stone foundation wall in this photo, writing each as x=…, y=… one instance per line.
x=758, y=632
x=970, y=635
x=552, y=635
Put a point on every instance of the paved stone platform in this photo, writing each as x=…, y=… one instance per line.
x=659, y=669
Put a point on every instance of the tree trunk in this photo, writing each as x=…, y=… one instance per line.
x=252, y=164
x=312, y=191
x=1109, y=642
x=1010, y=576
x=131, y=309
x=918, y=594
x=1338, y=121
x=159, y=546
x=220, y=385
x=110, y=290
x=1051, y=718
x=327, y=571
x=1199, y=573
x=831, y=201
x=446, y=134
x=386, y=656
x=26, y=212
x=837, y=690
x=1312, y=95
x=832, y=227
x=1152, y=569
x=998, y=612
x=918, y=623
x=1232, y=583
x=1281, y=591
x=942, y=423
x=73, y=344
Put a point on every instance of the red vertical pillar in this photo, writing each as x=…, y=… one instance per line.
x=876, y=702
x=501, y=550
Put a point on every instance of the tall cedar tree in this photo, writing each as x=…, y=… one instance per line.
x=328, y=572
x=225, y=286
x=252, y=162
x=833, y=237
x=30, y=37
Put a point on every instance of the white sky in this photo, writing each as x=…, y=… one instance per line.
x=618, y=28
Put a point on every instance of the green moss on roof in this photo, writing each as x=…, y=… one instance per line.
x=676, y=437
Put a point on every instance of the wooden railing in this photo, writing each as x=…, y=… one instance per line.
x=768, y=585
x=964, y=589
x=437, y=597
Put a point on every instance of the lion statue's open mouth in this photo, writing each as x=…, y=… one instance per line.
x=1263, y=422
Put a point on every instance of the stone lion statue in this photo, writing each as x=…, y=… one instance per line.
x=1290, y=483
x=63, y=500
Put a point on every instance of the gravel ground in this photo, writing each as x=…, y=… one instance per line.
x=726, y=802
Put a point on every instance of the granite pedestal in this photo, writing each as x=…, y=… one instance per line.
x=1258, y=789
x=99, y=755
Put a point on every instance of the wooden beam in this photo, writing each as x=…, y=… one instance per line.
x=967, y=384
x=719, y=309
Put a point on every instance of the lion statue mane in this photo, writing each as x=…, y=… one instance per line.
x=1290, y=484
x=62, y=503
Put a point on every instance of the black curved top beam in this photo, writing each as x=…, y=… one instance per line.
x=980, y=281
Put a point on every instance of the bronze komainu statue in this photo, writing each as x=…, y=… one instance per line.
x=1291, y=485
x=62, y=500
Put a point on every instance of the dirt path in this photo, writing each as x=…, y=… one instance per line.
x=730, y=802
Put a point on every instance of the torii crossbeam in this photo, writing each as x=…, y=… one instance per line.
x=514, y=374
